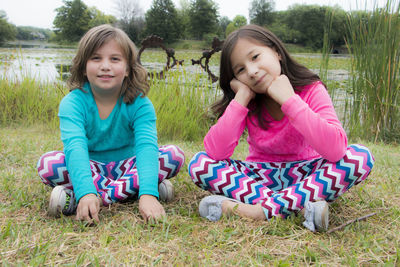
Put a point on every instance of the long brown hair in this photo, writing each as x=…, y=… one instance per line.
x=136, y=81
x=298, y=74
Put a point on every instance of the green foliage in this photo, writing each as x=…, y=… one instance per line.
x=237, y=22
x=373, y=40
x=222, y=25
x=203, y=18
x=261, y=12
x=181, y=102
x=131, y=19
x=230, y=28
x=184, y=19
x=7, y=30
x=33, y=33
x=308, y=22
x=98, y=18
x=72, y=20
x=284, y=32
x=28, y=102
x=134, y=28
x=162, y=20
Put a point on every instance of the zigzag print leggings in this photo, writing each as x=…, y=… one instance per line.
x=114, y=181
x=282, y=188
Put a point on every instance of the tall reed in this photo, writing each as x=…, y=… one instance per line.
x=373, y=39
x=181, y=101
x=27, y=101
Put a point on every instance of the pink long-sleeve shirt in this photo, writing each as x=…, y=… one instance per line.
x=310, y=129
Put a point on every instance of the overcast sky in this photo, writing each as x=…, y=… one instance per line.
x=40, y=13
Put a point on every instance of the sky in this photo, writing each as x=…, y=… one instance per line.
x=41, y=13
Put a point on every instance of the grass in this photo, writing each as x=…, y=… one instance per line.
x=374, y=80
x=28, y=101
x=28, y=236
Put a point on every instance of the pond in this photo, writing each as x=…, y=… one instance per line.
x=49, y=64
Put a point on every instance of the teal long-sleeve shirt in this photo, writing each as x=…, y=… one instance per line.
x=130, y=130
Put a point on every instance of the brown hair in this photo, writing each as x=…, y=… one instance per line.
x=298, y=74
x=136, y=81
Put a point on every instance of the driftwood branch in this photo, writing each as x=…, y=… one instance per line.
x=350, y=222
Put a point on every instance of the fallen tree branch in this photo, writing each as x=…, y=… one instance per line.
x=350, y=222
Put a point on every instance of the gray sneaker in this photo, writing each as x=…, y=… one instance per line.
x=317, y=216
x=62, y=200
x=166, y=191
x=210, y=207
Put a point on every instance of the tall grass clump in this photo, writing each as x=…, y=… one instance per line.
x=181, y=101
x=27, y=101
x=373, y=40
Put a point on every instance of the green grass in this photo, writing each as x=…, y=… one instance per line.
x=29, y=101
x=181, y=106
x=28, y=236
x=374, y=42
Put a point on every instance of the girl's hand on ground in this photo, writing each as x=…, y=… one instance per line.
x=280, y=89
x=243, y=94
x=88, y=209
x=150, y=208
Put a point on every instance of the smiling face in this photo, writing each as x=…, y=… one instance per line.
x=107, y=68
x=254, y=64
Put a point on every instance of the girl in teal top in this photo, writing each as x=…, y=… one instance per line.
x=108, y=128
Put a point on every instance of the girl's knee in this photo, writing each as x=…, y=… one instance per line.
x=362, y=154
x=49, y=158
x=175, y=155
x=196, y=163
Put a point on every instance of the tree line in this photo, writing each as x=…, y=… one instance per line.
x=195, y=19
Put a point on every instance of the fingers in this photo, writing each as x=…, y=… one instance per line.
x=280, y=89
x=150, y=208
x=88, y=209
x=153, y=215
x=89, y=215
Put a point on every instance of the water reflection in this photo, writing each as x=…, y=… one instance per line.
x=63, y=71
x=41, y=64
x=46, y=64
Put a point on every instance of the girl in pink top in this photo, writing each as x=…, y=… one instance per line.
x=298, y=153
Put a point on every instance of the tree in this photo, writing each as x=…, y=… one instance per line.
x=7, y=30
x=184, y=18
x=338, y=32
x=310, y=21
x=72, y=20
x=162, y=20
x=223, y=24
x=33, y=33
x=237, y=22
x=203, y=18
x=131, y=19
x=281, y=29
x=98, y=18
x=261, y=12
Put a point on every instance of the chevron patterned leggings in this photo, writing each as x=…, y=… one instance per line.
x=282, y=188
x=114, y=181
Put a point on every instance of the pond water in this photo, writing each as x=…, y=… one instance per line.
x=47, y=64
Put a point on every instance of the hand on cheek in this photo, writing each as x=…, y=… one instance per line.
x=280, y=89
x=243, y=94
